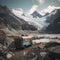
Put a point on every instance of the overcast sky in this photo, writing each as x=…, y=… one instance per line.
x=27, y=4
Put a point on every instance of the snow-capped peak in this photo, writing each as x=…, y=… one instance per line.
x=34, y=8
x=36, y=14
x=18, y=12
x=49, y=9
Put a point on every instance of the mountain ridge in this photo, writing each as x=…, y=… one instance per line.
x=12, y=20
x=54, y=22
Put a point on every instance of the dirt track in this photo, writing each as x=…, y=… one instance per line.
x=21, y=54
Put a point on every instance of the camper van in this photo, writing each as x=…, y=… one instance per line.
x=17, y=42
x=21, y=43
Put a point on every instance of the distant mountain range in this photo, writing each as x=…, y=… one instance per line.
x=36, y=14
x=11, y=21
x=49, y=23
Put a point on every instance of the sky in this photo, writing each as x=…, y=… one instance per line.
x=28, y=4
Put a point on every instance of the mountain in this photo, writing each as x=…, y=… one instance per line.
x=54, y=22
x=18, y=11
x=11, y=21
x=36, y=14
x=35, y=18
x=43, y=23
x=46, y=14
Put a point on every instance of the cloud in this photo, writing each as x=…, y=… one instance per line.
x=34, y=8
x=41, y=1
x=49, y=9
x=18, y=12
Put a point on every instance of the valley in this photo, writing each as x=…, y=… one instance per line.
x=29, y=36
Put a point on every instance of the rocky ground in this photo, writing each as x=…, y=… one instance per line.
x=35, y=52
